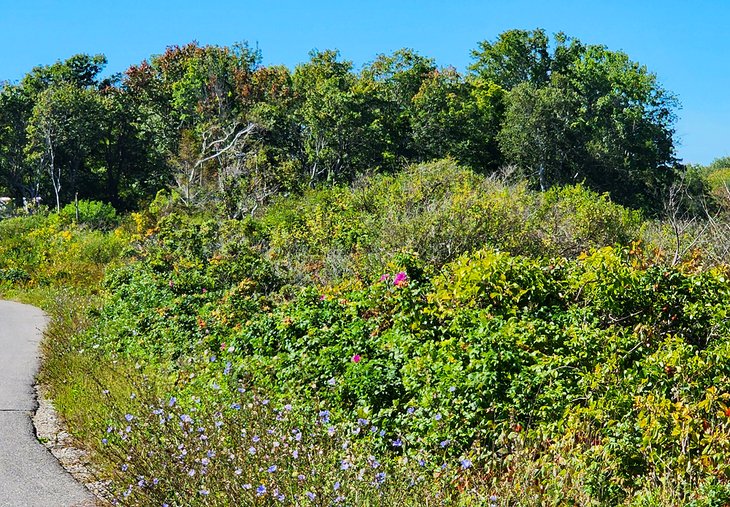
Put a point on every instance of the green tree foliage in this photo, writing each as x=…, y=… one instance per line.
x=16, y=177
x=340, y=133
x=231, y=133
x=459, y=119
x=517, y=56
x=582, y=113
x=63, y=130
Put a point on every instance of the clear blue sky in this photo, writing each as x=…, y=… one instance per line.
x=685, y=43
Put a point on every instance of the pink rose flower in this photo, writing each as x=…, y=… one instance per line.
x=400, y=279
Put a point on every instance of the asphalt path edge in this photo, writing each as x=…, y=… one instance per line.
x=30, y=475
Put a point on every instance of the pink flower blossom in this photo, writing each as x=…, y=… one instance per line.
x=384, y=277
x=400, y=279
x=356, y=358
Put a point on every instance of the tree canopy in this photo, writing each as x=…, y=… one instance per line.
x=214, y=121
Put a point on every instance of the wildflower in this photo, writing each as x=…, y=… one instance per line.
x=452, y=389
x=445, y=443
x=397, y=442
x=437, y=417
x=255, y=439
x=271, y=469
x=238, y=471
x=465, y=463
x=287, y=407
x=247, y=486
x=410, y=410
x=261, y=490
x=336, y=485
x=124, y=467
x=227, y=369
x=344, y=465
x=129, y=417
x=400, y=279
x=295, y=454
x=362, y=422
x=252, y=450
x=310, y=495
x=104, y=441
x=186, y=418
x=324, y=415
x=331, y=381
x=301, y=477
x=356, y=358
x=205, y=462
x=172, y=401
x=204, y=492
x=380, y=477
x=331, y=431
x=191, y=472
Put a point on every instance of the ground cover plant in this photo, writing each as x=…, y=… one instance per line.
x=224, y=360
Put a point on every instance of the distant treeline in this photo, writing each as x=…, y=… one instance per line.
x=216, y=124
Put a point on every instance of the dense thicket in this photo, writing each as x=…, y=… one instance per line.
x=425, y=338
x=215, y=123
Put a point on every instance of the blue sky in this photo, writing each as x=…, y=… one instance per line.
x=685, y=43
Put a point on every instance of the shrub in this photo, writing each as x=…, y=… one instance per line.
x=92, y=214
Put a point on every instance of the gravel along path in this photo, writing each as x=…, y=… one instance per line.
x=29, y=474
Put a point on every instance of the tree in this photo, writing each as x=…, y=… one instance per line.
x=541, y=134
x=393, y=81
x=459, y=119
x=516, y=57
x=339, y=131
x=63, y=131
x=15, y=178
x=617, y=120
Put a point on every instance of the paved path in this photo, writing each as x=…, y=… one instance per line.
x=29, y=475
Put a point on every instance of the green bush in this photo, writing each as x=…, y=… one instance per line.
x=93, y=214
x=438, y=211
